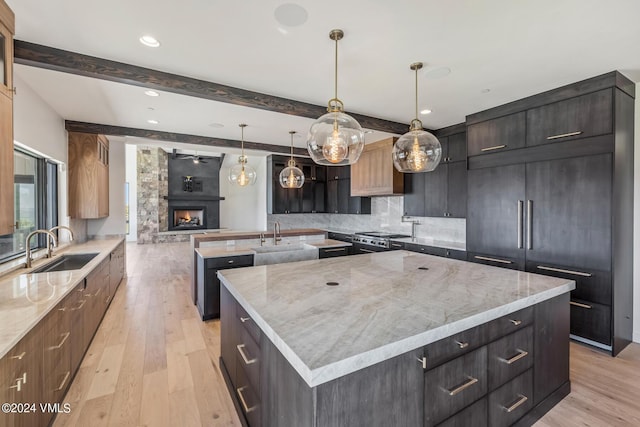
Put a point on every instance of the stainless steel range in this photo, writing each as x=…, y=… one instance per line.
x=373, y=241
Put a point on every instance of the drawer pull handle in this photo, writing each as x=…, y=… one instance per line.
x=366, y=250
x=516, y=322
x=247, y=361
x=495, y=147
x=396, y=245
x=97, y=292
x=520, y=401
x=230, y=261
x=484, y=258
x=462, y=344
x=462, y=387
x=244, y=403
x=520, y=355
x=560, y=270
x=20, y=356
x=55, y=347
x=64, y=381
x=335, y=250
x=81, y=305
x=577, y=304
x=245, y=319
x=564, y=135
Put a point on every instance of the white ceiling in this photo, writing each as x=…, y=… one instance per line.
x=513, y=48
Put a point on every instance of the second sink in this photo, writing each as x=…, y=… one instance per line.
x=266, y=255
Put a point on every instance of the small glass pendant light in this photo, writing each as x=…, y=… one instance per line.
x=291, y=176
x=335, y=139
x=416, y=150
x=242, y=174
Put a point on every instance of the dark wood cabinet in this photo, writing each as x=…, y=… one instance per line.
x=561, y=204
x=279, y=199
x=339, y=198
x=208, y=283
x=334, y=252
x=442, y=192
x=511, y=401
x=314, y=188
x=579, y=117
x=499, y=134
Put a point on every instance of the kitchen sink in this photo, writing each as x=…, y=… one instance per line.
x=279, y=254
x=66, y=262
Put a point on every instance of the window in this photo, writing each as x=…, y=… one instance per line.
x=35, y=203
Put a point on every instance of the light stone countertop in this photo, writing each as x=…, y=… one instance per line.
x=236, y=250
x=25, y=299
x=384, y=305
x=432, y=242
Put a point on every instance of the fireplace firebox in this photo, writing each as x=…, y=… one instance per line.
x=188, y=218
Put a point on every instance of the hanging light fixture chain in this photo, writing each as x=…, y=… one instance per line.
x=336, y=72
x=416, y=92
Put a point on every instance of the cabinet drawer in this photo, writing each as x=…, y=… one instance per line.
x=579, y=117
x=423, y=249
x=474, y=415
x=248, y=356
x=456, y=254
x=511, y=401
x=247, y=322
x=509, y=357
x=591, y=320
x=396, y=245
x=333, y=252
x=591, y=285
x=496, y=261
x=454, y=385
x=230, y=262
x=492, y=136
x=248, y=397
x=510, y=323
x=456, y=345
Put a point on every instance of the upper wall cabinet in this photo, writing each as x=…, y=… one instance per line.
x=500, y=134
x=374, y=174
x=6, y=119
x=88, y=175
x=579, y=117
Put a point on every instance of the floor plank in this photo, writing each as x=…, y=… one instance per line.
x=154, y=362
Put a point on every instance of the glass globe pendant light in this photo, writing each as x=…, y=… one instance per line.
x=416, y=150
x=291, y=176
x=242, y=174
x=335, y=139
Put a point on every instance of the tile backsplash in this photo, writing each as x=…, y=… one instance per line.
x=386, y=215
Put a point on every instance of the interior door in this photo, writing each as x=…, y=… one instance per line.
x=493, y=221
x=571, y=211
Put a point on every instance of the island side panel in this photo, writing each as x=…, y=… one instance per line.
x=389, y=393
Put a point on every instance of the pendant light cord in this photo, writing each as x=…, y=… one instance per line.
x=416, y=93
x=336, y=72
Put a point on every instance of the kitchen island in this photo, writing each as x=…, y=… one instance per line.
x=393, y=338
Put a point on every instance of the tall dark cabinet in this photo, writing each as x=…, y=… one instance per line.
x=442, y=192
x=550, y=186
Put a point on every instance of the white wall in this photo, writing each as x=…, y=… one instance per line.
x=131, y=176
x=114, y=224
x=636, y=223
x=244, y=208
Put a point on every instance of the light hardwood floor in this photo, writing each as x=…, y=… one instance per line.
x=154, y=363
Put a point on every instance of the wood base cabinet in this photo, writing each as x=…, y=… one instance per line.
x=510, y=370
x=556, y=199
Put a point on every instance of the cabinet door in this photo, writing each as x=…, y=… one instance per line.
x=332, y=196
x=503, y=133
x=78, y=343
x=570, y=203
x=435, y=191
x=6, y=166
x=457, y=190
x=457, y=147
x=344, y=191
x=103, y=190
x=493, y=224
x=228, y=333
x=579, y=117
x=57, y=351
x=414, y=194
x=279, y=194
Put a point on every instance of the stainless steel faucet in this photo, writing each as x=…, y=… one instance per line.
x=276, y=233
x=262, y=239
x=413, y=222
x=61, y=227
x=50, y=237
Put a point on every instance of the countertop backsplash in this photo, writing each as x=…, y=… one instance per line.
x=386, y=215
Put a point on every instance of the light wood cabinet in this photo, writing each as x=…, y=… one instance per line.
x=6, y=119
x=88, y=175
x=374, y=174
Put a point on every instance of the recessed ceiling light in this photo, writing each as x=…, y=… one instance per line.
x=216, y=125
x=151, y=109
x=151, y=93
x=485, y=91
x=426, y=111
x=437, y=73
x=290, y=14
x=153, y=121
x=150, y=41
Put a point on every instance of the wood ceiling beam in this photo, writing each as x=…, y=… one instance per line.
x=156, y=135
x=50, y=58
